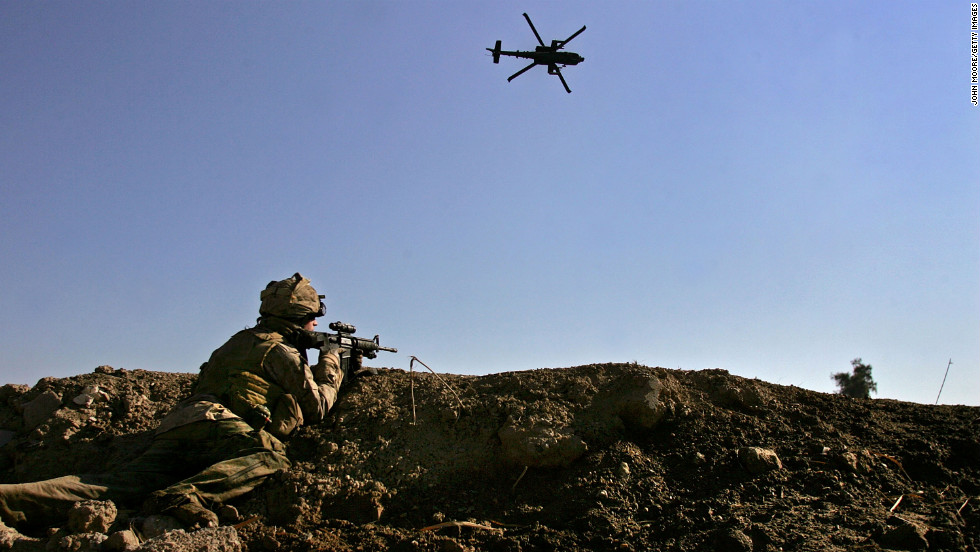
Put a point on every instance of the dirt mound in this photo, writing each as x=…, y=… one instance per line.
x=599, y=457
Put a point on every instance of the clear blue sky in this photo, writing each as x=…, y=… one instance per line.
x=772, y=188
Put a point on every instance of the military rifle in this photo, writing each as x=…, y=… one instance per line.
x=349, y=344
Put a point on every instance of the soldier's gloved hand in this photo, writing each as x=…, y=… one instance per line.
x=356, y=360
x=327, y=368
x=358, y=370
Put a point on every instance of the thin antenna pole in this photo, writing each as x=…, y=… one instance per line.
x=944, y=380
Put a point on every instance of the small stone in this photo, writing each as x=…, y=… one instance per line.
x=95, y=392
x=759, y=460
x=624, y=469
x=84, y=400
x=270, y=542
x=819, y=449
x=121, y=541
x=849, y=460
x=228, y=514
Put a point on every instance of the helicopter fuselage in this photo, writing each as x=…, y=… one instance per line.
x=544, y=55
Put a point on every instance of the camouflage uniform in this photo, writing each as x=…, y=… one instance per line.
x=225, y=439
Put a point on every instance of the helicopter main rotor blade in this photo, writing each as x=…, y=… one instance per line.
x=521, y=72
x=565, y=84
x=533, y=29
x=569, y=39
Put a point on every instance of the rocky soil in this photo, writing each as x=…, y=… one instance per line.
x=599, y=457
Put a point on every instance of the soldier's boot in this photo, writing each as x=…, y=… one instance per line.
x=185, y=508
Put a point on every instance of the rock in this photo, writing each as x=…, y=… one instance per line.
x=818, y=449
x=638, y=401
x=848, y=461
x=121, y=541
x=84, y=400
x=270, y=542
x=89, y=395
x=759, y=460
x=905, y=535
x=40, y=409
x=92, y=516
x=96, y=392
x=82, y=542
x=732, y=540
x=228, y=514
x=212, y=539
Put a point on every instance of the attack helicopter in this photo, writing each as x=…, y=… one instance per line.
x=549, y=56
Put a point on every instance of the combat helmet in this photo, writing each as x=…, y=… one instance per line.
x=293, y=299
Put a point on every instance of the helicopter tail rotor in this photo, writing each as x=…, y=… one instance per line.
x=496, y=52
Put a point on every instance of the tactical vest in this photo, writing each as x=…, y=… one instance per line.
x=235, y=375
